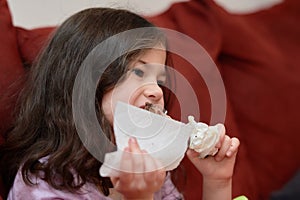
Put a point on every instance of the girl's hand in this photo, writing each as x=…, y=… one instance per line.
x=219, y=167
x=141, y=176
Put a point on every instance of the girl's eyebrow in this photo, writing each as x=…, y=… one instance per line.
x=145, y=63
x=142, y=61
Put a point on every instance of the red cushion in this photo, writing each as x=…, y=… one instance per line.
x=11, y=67
x=187, y=15
x=11, y=70
x=257, y=55
x=31, y=42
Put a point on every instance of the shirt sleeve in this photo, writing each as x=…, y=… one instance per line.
x=41, y=190
x=168, y=191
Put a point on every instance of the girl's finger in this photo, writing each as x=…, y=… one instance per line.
x=222, y=131
x=126, y=165
x=224, y=148
x=133, y=145
x=150, y=168
x=191, y=154
x=154, y=171
x=235, y=143
x=137, y=156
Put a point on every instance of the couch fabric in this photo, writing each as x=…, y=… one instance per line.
x=11, y=67
x=258, y=58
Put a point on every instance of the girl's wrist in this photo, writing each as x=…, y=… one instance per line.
x=217, y=189
x=219, y=183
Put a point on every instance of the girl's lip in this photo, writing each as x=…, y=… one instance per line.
x=144, y=106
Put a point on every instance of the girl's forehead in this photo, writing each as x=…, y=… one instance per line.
x=151, y=57
x=155, y=53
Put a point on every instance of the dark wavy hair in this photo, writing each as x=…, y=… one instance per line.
x=44, y=124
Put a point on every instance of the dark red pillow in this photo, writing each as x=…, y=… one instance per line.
x=31, y=42
x=258, y=57
x=195, y=19
x=11, y=68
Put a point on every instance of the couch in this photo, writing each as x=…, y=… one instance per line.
x=258, y=57
x=18, y=48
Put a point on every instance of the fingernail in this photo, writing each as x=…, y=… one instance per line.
x=144, y=151
x=221, y=127
x=132, y=140
x=228, y=153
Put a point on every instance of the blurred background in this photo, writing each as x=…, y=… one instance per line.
x=40, y=13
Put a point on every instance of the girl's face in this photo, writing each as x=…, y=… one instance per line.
x=141, y=84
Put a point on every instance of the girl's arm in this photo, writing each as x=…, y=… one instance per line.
x=215, y=189
x=217, y=171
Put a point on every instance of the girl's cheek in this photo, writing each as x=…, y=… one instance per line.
x=134, y=97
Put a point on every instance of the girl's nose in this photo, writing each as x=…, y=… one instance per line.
x=153, y=92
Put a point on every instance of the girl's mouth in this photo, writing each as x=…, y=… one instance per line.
x=155, y=108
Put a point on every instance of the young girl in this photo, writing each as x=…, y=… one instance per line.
x=44, y=157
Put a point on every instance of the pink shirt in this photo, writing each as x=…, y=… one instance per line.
x=43, y=191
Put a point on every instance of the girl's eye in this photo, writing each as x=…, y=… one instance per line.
x=160, y=83
x=138, y=72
